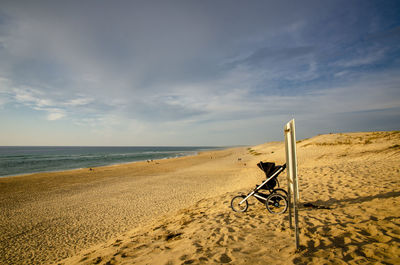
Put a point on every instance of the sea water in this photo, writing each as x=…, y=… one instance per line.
x=16, y=160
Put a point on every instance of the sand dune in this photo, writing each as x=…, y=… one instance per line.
x=177, y=211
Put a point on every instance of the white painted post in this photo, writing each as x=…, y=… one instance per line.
x=293, y=185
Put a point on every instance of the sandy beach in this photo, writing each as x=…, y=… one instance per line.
x=177, y=211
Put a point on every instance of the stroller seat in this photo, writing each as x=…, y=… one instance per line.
x=269, y=168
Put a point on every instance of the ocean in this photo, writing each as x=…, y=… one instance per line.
x=17, y=160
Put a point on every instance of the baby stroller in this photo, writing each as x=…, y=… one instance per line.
x=276, y=199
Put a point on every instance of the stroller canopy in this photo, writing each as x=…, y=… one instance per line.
x=268, y=167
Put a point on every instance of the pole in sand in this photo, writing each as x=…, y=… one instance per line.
x=293, y=184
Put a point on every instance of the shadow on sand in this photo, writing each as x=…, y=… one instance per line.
x=332, y=203
x=347, y=244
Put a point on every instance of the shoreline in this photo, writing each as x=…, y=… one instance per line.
x=112, y=164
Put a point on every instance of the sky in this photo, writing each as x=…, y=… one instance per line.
x=216, y=73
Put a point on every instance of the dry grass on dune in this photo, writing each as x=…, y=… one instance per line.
x=351, y=179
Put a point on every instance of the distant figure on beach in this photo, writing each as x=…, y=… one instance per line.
x=91, y=169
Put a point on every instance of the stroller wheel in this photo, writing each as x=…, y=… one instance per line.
x=276, y=203
x=281, y=191
x=236, y=206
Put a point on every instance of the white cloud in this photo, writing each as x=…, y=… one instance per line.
x=55, y=115
x=37, y=99
x=341, y=73
x=4, y=91
x=78, y=102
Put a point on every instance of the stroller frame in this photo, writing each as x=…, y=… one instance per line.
x=276, y=201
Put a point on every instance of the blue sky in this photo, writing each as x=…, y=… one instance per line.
x=195, y=72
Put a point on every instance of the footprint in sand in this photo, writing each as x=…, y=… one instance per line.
x=203, y=259
x=117, y=243
x=225, y=259
x=227, y=220
x=97, y=260
x=189, y=261
x=111, y=261
x=221, y=240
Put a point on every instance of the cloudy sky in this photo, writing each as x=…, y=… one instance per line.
x=195, y=72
